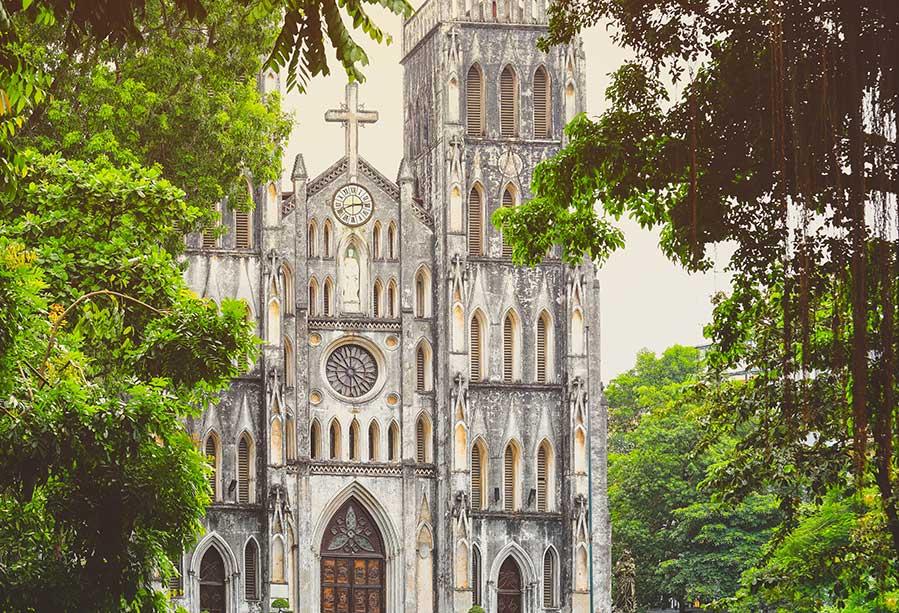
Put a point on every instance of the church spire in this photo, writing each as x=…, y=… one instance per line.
x=351, y=114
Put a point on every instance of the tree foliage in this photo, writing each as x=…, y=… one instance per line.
x=678, y=542
x=782, y=141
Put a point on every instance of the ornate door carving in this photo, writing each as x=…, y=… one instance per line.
x=508, y=587
x=352, y=563
x=212, y=582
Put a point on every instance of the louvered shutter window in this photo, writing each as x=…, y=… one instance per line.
x=420, y=441
x=541, y=349
x=420, y=370
x=376, y=300
x=541, y=479
x=477, y=483
x=209, y=239
x=509, y=479
x=549, y=580
x=213, y=459
x=391, y=300
x=475, y=223
x=250, y=563
x=474, y=103
x=174, y=582
x=475, y=356
x=243, y=470
x=508, y=349
x=476, y=575
x=241, y=230
x=508, y=202
x=541, y=104
x=508, y=103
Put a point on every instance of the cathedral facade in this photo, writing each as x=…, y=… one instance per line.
x=423, y=430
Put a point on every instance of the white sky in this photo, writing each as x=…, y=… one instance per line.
x=647, y=302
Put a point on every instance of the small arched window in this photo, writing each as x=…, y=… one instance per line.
x=290, y=365
x=327, y=298
x=276, y=440
x=376, y=308
x=290, y=425
x=391, y=299
x=374, y=441
x=242, y=230
x=544, y=477
x=376, y=241
x=391, y=241
x=423, y=367
x=422, y=439
x=326, y=239
x=476, y=575
x=354, y=440
x=214, y=457
x=313, y=297
x=312, y=240
x=511, y=347
x=315, y=440
x=475, y=222
x=286, y=275
x=508, y=103
x=476, y=347
x=549, y=579
x=542, y=103
x=422, y=293
x=251, y=570
x=393, y=442
x=245, y=452
x=511, y=461
x=544, y=329
x=334, y=440
x=508, y=202
x=478, y=475
x=474, y=101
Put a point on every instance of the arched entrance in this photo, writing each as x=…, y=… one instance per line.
x=352, y=562
x=508, y=588
x=212, y=582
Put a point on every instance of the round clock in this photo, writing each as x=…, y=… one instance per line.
x=352, y=205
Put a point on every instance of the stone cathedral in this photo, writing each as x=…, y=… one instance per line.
x=423, y=430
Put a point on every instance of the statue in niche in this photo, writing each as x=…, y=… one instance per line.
x=350, y=281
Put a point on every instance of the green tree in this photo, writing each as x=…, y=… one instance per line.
x=781, y=141
x=681, y=544
x=103, y=352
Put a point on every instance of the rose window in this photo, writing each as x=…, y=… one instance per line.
x=352, y=370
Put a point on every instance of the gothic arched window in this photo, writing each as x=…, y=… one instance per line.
x=545, y=496
x=423, y=439
x=474, y=101
x=423, y=367
x=508, y=202
x=476, y=575
x=374, y=441
x=422, y=292
x=334, y=440
x=245, y=469
x=478, y=475
x=511, y=347
x=376, y=241
x=393, y=442
x=475, y=222
x=290, y=365
x=511, y=472
x=476, y=347
x=315, y=440
x=544, y=347
x=550, y=574
x=242, y=230
x=286, y=275
x=251, y=570
x=542, y=103
x=327, y=298
x=313, y=297
x=214, y=456
x=312, y=240
x=377, y=309
x=326, y=239
x=508, y=103
x=354, y=440
x=391, y=299
x=391, y=241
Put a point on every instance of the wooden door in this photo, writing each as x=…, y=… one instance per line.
x=212, y=582
x=352, y=563
x=508, y=587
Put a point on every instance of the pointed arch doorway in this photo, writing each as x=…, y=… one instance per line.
x=212, y=582
x=352, y=562
x=508, y=588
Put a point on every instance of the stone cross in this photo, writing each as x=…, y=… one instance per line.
x=351, y=114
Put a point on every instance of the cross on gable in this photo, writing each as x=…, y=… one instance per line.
x=351, y=114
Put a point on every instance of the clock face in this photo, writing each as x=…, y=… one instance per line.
x=352, y=205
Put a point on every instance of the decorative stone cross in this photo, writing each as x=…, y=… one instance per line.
x=351, y=114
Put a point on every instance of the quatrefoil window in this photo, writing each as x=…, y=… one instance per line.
x=352, y=370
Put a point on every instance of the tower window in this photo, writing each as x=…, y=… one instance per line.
x=508, y=103
x=393, y=442
x=478, y=476
x=542, y=104
x=508, y=202
x=549, y=579
x=476, y=347
x=543, y=325
x=510, y=477
x=474, y=101
x=251, y=565
x=334, y=440
x=315, y=440
x=475, y=223
x=312, y=240
x=242, y=230
x=244, y=469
